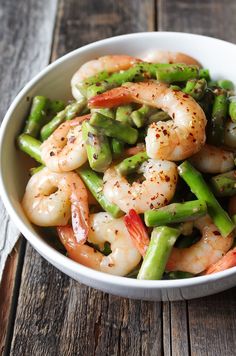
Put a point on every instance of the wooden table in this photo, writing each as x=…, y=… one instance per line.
x=42, y=311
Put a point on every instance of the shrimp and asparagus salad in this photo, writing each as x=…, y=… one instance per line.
x=136, y=176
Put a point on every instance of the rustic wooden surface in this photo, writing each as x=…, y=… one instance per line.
x=42, y=311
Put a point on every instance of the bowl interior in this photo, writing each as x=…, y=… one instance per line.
x=54, y=82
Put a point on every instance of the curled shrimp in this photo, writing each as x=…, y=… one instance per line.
x=155, y=191
x=175, y=139
x=110, y=64
x=53, y=199
x=211, y=159
x=207, y=251
x=124, y=256
x=227, y=261
x=65, y=150
x=158, y=56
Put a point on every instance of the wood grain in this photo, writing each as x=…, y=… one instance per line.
x=26, y=28
x=85, y=21
x=214, y=18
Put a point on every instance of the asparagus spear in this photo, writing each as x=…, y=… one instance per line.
x=70, y=112
x=117, y=147
x=115, y=129
x=55, y=106
x=158, y=116
x=37, y=116
x=131, y=164
x=175, y=213
x=232, y=108
x=95, y=184
x=98, y=148
x=195, y=88
x=204, y=74
x=161, y=243
x=219, y=113
x=199, y=187
x=139, y=117
x=230, y=134
x=105, y=112
x=224, y=185
x=30, y=145
x=170, y=73
x=123, y=114
x=226, y=84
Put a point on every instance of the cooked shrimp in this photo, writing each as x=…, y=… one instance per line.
x=137, y=231
x=65, y=150
x=155, y=191
x=211, y=159
x=208, y=250
x=110, y=64
x=158, y=56
x=228, y=261
x=173, y=140
x=124, y=256
x=53, y=199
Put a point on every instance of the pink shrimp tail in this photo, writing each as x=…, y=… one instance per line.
x=228, y=261
x=137, y=231
x=111, y=98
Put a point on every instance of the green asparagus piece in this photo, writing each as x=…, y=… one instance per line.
x=123, y=114
x=204, y=74
x=158, y=116
x=96, y=79
x=37, y=116
x=98, y=148
x=117, y=147
x=226, y=84
x=134, y=73
x=161, y=243
x=206, y=102
x=70, y=112
x=131, y=164
x=175, y=87
x=95, y=185
x=175, y=213
x=105, y=112
x=199, y=187
x=219, y=113
x=139, y=117
x=55, y=106
x=224, y=185
x=170, y=73
x=30, y=145
x=230, y=134
x=36, y=169
x=232, y=108
x=196, y=88
x=178, y=275
x=115, y=129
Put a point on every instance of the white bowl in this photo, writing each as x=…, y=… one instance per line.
x=54, y=82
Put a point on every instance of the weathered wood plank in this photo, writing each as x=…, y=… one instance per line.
x=214, y=18
x=56, y=315
x=26, y=29
x=209, y=324
x=212, y=324
x=88, y=21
